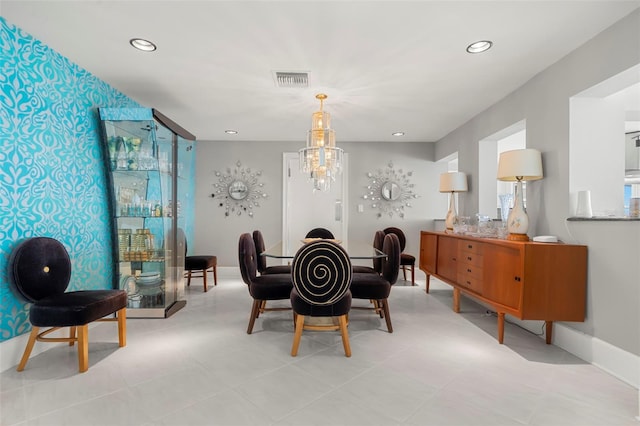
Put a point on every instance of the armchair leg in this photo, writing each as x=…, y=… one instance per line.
x=122, y=327
x=387, y=317
x=298, y=334
x=27, y=351
x=188, y=278
x=255, y=309
x=342, y=320
x=413, y=276
x=204, y=279
x=215, y=275
x=83, y=347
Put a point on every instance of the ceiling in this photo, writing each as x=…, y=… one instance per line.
x=386, y=66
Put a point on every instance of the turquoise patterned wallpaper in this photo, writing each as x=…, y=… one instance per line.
x=52, y=179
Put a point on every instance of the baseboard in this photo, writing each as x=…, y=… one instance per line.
x=615, y=361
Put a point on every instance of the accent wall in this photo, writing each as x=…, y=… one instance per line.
x=52, y=181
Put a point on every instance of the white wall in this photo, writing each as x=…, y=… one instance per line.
x=597, y=139
x=218, y=235
x=613, y=292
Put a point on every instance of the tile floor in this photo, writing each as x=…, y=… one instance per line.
x=199, y=367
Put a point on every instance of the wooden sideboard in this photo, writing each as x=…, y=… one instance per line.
x=529, y=280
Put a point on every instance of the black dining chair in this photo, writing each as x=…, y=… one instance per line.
x=376, y=288
x=320, y=233
x=321, y=274
x=200, y=264
x=40, y=270
x=261, y=287
x=263, y=269
x=406, y=259
x=378, y=240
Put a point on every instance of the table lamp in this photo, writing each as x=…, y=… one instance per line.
x=452, y=182
x=517, y=166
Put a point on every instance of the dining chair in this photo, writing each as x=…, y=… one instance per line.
x=405, y=258
x=376, y=288
x=201, y=264
x=263, y=269
x=261, y=287
x=40, y=270
x=378, y=240
x=321, y=274
x=320, y=233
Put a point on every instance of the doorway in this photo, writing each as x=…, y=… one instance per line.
x=305, y=209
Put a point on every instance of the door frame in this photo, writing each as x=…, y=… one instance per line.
x=286, y=157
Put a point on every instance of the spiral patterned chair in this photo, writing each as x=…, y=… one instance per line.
x=377, y=288
x=320, y=233
x=406, y=259
x=263, y=269
x=263, y=287
x=39, y=270
x=321, y=274
x=378, y=240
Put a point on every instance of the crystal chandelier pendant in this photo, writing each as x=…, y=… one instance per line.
x=321, y=159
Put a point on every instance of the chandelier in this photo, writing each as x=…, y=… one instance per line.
x=321, y=159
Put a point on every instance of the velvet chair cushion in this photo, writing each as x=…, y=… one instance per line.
x=247, y=258
x=391, y=265
x=399, y=233
x=407, y=259
x=76, y=307
x=369, y=286
x=40, y=271
x=196, y=263
x=271, y=287
x=39, y=267
x=320, y=233
x=258, y=240
x=340, y=307
x=321, y=272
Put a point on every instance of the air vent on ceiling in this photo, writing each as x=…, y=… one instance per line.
x=292, y=79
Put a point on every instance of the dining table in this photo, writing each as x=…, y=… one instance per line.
x=355, y=250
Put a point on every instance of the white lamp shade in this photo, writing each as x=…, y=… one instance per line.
x=520, y=164
x=453, y=182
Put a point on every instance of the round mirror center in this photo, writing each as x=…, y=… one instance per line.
x=390, y=191
x=238, y=190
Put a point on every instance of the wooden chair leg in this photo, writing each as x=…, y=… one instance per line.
x=83, y=347
x=255, y=309
x=404, y=272
x=297, y=335
x=188, y=278
x=215, y=275
x=27, y=351
x=387, y=317
x=72, y=335
x=342, y=320
x=413, y=276
x=122, y=327
x=204, y=279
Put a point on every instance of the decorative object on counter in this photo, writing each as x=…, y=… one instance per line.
x=452, y=182
x=506, y=201
x=390, y=191
x=583, y=206
x=634, y=207
x=321, y=158
x=517, y=166
x=238, y=190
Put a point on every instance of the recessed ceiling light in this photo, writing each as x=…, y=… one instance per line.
x=479, y=46
x=142, y=44
x=231, y=132
x=397, y=134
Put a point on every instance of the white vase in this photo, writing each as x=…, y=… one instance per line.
x=451, y=214
x=518, y=221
